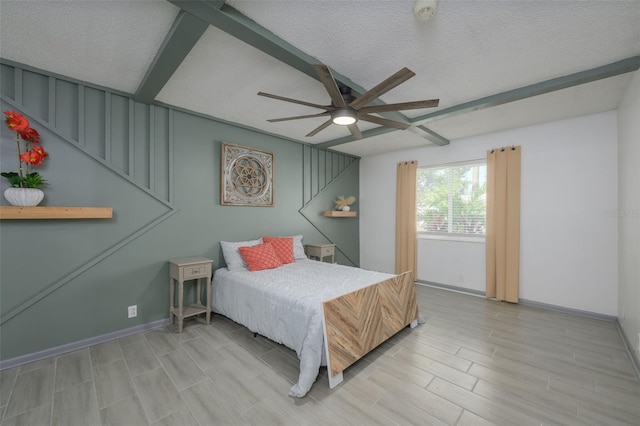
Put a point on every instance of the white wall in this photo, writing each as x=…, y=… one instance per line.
x=629, y=205
x=568, y=243
x=441, y=262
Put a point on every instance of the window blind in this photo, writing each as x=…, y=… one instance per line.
x=452, y=199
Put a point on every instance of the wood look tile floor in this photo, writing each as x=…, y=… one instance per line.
x=473, y=362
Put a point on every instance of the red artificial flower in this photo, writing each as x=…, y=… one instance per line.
x=16, y=121
x=35, y=156
x=27, y=157
x=40, y=151
x=30, y=135
x=34, y=153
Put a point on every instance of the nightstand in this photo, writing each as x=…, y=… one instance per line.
x=321, y=251
x=185, y=269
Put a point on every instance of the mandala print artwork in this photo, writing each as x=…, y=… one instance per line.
x=247, y=176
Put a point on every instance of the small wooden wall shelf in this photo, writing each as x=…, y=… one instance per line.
x=338, y=213
x=14, y=212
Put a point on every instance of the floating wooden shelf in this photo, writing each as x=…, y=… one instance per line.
x=14, y=212
x=338, y=213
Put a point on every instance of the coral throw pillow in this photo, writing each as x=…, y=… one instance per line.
x=283, y=247
x=259, y=257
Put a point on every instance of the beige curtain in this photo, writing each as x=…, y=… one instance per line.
x=503, y=223
x=406, y=259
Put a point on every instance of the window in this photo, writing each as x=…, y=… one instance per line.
x=452, y=199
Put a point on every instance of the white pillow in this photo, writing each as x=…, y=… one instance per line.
x=232, y=256
x=298, y=248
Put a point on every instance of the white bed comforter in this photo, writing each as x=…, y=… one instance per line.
x=285, y=305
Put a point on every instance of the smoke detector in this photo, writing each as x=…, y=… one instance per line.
x=425, y=9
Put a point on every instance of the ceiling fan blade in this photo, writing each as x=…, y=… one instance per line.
x=355, y=131
x=320, y=127
x=330, y=84
x=400, y=77
x=383, y=121
x=430, y=103
x=295, y=101
x=275, y=120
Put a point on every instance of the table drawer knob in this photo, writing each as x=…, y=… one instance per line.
x=198, y=270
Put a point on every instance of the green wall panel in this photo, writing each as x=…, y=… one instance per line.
x=35, y=93
x=66, y=109
x=161, y=154
x=7, y=81
x=119, y=134
x=93, y=138
x=342, y=231
x=141, y=135
x=159, y=169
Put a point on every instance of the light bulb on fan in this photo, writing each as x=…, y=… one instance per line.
x=425, y=9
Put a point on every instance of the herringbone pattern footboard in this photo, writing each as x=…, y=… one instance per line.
x=359, y=321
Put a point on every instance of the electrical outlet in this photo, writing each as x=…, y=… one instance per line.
x=132, y=311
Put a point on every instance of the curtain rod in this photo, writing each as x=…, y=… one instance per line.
x=513, y=148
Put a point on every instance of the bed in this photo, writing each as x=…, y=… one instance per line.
x=329, y=314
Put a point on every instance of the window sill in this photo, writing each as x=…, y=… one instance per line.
x=456, y=238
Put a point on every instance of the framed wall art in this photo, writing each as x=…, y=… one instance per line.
x=247, y=176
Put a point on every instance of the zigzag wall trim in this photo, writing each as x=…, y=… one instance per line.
x=81, y=118
x=76, y=145
x=80, y=144
x=33, y=299
x=322, y=173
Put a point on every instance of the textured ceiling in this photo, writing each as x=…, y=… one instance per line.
x=468, y=50
x=109, y=43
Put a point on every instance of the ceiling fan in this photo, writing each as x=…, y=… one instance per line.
x=345, y=109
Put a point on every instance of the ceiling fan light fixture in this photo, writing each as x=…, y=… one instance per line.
x=425, y=9
x=346, y=110
x=343, y=116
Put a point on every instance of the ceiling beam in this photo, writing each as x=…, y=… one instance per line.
x=234, y=23
x=417, y=124
x=611, y=70
x=428, y=134
x=183, y=35
x=376, y=131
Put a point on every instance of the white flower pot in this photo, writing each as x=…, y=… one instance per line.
x=23, y=196
x=346, y=208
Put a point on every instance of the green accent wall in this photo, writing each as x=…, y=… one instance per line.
x=62, y=281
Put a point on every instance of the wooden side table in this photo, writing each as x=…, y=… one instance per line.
x=185, y=269
x=321, y=251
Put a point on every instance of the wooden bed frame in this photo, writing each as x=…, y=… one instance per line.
x=357, y=322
